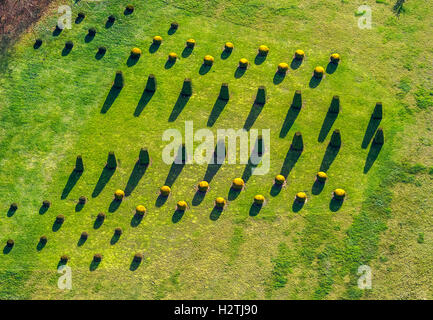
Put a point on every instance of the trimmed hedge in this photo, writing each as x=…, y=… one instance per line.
x=203, y=186
x=297, y=100
x=297, y=142
x=220, y=202
x=299, y=54
x=165, y=191
x=118, y=80
x=335, y=139
x=279, y=179
x=319, y=72
x=238, y=184
x=259, y=199
x=119, y=195
x=379, y=137
x=182, y=205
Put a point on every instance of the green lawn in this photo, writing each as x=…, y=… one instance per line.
x=50, y=111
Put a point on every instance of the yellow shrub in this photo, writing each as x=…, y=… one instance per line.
x=157, y=39
x=283, y=67
x=136, y=52
x=203, y=186
x=238, y=183
x=229, y=46
x=259, y=199
x=299, y=54
x=182, y=205
x=335, y=57
x=321, y=176
x=140, y=209
x=301, y=196
x=165, y=190
x=190, y=43
x=279, y=179
x=339, y=194
x=119, y=194
x=172, y=56
x=263, y=50
x=243, y=63
x=208, y=60
x=319, y=72
x=220, y=202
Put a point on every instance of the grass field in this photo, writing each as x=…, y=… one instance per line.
x=54, y=106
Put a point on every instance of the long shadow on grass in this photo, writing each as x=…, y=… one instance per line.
x=314, y=82
x=177, y=216
x=327, y=125
x=329, y=157
x=290, y=160
x=259, y=59
x=296, y=63
x=103, y=180
x=177, y=166
x=317, y=187
x=215, y=214
x=111, y=97
x=135, y=177
x=136, y=220
x=144, y=100
x=240, y=72
x=225, y=54
x=372, y=156
x=94, y=265
x=132, y=61
x=216, y=111
x=255, y=210
x=72, y=181
x=279, y=77
x=114, y=205
x=11, y=212
x=218, y=158
x=198, y=198
x=204, y=69
x=369, y=133
x=331, y=67
x=335, y=205
x=291, y=116
x=181, y=102
x=255, y=111
x=186, y=52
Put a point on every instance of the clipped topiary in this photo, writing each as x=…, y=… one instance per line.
x=220, y=202
x=102, y=50
x=319, y=72
x=297, y=142
x=60, y=218
x=92, y=32
x=129, y=8
x=190, y=43
x=111, y=161
x=186, y=88
x=13, y=207
x=119, y=195
x=82, y=200
x=138, y=257
x=379, y=137
x=157, y=40
x=69, y=45
x=321, y=177
x=335, y=139
x=297, y=100
x=43, y=239
x=335, y=105
x=203, y=186
x=100, y=216
x=143, y=157
x=263, y=50
x=118, y=231
x=301, y=197
x=261, y=95
x=46, y=204
x=151, y=83
x=335, y=58
x=118, y=80
x=224, y=92
x=283, y=67
x=97, y=257
x=243, y=63
x=165, y=191
x=84, y=235
x=339, y=194
x=238, y=184
x=208, y=60
x=111, y=19
x=279, y=179
x=299, y=54
x=228, y=46
x=140, y=210
x=79, y=166
x=64, y=258
x=38, y=43
x=181, y=205
x=174, y=25
x=377, y=113
x=81, y=15
x=135, y=53
x=259, y=200
x=172, y=56
x=10, y=243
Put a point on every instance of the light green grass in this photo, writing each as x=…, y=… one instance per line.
x=50, y=112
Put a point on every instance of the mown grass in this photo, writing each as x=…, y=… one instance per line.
x=52, y=111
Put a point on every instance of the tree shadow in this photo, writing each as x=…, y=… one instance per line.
x=11, y=211
x=216, y=111
x=259, y=59
x=187, y=51
x=98, y=223
x=329, y=157
x=327, y=125
x=41, y=245
x=335, y=204
x=7, y=249
x=111, y=97
x=369, y=133
x=136, y=220
x=56, y=225
x=255, y=209
x=94, y=265
x=72, y=180
x=89, y=37
x=144, y=100
x=225, y=54
x=240, y=72
x=314, y=82
x=114, y=205
x=296, y=63
x=216, y=213
x=290, y=160
x=204, y=69
x=154, y=47
x=279, y=77
x=132, y=61
x=104, y=178
x=114, y=239
x=135, y=177
x=169, y=64
x=317, y=187
x=177, y=216
x=331, y=67
x=291, y=116
x=218, y=159
x=66, y=51
x=255, y=111
x=160, y=201
x=372, y=156
x=297, y=205
x=198, y=198
x=233, y=194
x=275, y=189
x=181, y=102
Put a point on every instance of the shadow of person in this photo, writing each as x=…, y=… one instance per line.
x=216, y=213
x=204, y=69
x=171, y=31
x=279, y=77
x=292, y=156
x=317, y=187
x=225, y=54
x=37, y=45
x=175, y=170
x=187, y=51
x=180, y=104
x=275, y=189
x=255, y=209
x=198, y=198
x=160, y=201
x=329, y=157
x=259, y=59
x=111, y=97
x=7, y=249
x=132, y=61
x=216, y=111
x=114, y=205
x=153, y=48
x=297, y=205
x=372, y=156
x=104, y=178
x=335, y=204
x=177, y=216
x=255, y=111
x=135, y=177
x=136, y=220
x=72, y=181
x=248, y=171
x=142, y=103
x=94, y=265
x=331, y=67
x=327, y=125
x=291, y=116
x=79, y=19
x=314, y=82
x=114, y=239
x=240, y=72
x=373, y=124
x=296, y=63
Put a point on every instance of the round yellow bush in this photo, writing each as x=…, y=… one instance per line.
x=283, y=67
x=319, y=72
x=263, y=50
x=238, y=183
x=157, y=40
x=203, y=186
x=339, y=194
x=229, y=46
x=119, y=194
x=243, y=63
x=136, y=52
x=321, y=176
x=190, y=43
x=182, y=205
x=279, y=179
x=220, y=202
x=259, y=199
x=208, y=60
x=335, y=57
x=299, y=54
x=140, y=210
x=172, y=56
x=301, y=196
x=165, y=190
